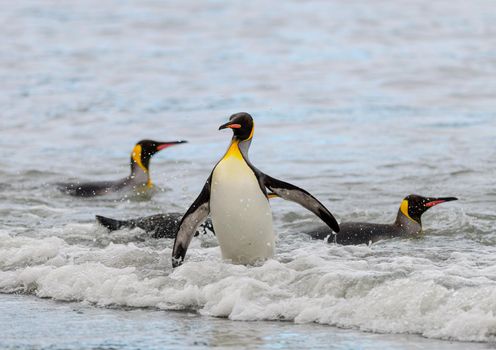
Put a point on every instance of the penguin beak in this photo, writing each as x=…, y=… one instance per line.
x=164, y=145
x=230, y=125
x=431, y=202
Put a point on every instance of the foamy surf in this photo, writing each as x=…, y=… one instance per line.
x=365, y=288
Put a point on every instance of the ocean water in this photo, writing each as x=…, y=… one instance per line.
x=361, y=104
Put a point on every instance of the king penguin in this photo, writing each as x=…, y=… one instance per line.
x=157, y=226
x=236, y=198
x=138, y=181
x=408, y=224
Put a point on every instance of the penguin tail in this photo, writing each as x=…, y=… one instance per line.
x=110, y=224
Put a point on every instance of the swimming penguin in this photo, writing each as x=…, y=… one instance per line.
x=235, y=195
x=138, y=181
x=158, y=226
x=407, y=224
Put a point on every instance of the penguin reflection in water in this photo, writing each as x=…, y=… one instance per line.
x=138, y=182
x=236, y=198
x=408, y=224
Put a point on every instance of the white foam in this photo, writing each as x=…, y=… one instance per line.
x=351, y=287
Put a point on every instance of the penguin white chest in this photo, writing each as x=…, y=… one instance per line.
x=240, y=212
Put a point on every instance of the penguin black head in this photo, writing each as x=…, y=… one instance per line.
x=413, y=206
x=242, y=126
x=145, y=149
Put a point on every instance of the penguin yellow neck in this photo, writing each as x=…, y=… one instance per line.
x=136, y=157
x=233, y=150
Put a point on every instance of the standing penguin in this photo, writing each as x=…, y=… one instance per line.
x=138, y=181
x=407, y=224
x=235, y=195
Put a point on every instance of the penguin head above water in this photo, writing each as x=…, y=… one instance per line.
x=145, y=149
x=413, y=206
x=242, y=126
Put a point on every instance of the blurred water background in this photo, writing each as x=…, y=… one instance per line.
x=359, y=102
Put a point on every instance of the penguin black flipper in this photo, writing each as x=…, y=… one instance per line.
x=112, y=224
x=196, y=214
x=295, y=194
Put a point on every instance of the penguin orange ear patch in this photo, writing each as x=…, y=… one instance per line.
x=136, y=155
x=404, y=209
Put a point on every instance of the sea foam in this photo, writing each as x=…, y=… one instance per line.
x=360, y=287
